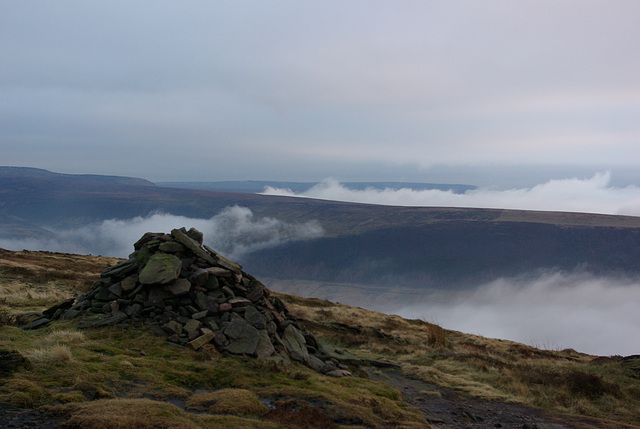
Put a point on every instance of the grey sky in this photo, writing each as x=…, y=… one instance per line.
x=288, y=90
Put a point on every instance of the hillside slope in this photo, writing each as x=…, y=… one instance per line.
x=407, y=373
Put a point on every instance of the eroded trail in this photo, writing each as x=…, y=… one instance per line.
x=444, y=408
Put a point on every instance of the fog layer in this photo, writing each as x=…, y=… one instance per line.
x=590, y=195
x=234, y=232
x=555, y=310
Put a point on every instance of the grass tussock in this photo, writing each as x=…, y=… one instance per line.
x=126, y=414
x=57, y=353
x=240, y=402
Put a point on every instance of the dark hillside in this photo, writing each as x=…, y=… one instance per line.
x=453, y=254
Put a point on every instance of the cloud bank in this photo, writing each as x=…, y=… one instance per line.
x=590, y=195
x=234, y=232
x=555, y=310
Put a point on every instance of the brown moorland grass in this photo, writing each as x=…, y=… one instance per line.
x=119, y=368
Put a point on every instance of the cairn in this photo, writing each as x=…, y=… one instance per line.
x=193, y=296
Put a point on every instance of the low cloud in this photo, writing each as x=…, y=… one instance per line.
x=555, y=311
x=590, y=195
x=234, y=232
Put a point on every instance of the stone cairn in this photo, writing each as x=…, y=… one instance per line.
x=193, y=296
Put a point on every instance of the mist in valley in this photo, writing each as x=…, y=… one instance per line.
x=233, y=232
x=595, y=194
x=553, y=310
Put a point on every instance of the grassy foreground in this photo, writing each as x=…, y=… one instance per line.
x=115, y=378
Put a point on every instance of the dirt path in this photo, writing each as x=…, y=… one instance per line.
x=444, y=408
x=15, y=417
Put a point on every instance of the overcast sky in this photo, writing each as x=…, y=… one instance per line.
x=458, y=91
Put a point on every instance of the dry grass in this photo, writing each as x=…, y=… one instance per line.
x=239, y=402
x=143, y=414
x=494, y=369
x=57, y=353
x=100, y=377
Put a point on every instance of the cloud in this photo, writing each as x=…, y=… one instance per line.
x=234, y=232
x=554, y=310
x=591, y=195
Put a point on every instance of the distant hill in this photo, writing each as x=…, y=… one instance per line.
x=417, y=246
x=255, y=186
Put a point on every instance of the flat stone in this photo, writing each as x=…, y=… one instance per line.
x=222, y=261
x=36, y=324
x=162, y=268
x=219, y=271
x=239, y=302
x=67, y=303
x=256, y=294
x=201, y=340
x=171, y=247
x=120, y=270
x=178, y=287
x=339, y=373
x=227, y=291
x=181, y=236
x=243, y=338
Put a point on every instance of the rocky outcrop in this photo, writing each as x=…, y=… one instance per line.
x=193, y=296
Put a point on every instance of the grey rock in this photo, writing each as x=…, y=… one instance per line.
x=264, y=347
x=201, y=315
x=129, y=283
x=67, y=303
x=219, y=272
x=192, y=326
x=36, y=324
x=243, y=338
x=295, y=344
x=211, y=324
x=318, y=365
x=117, y=317
x=171, y=247
x=116, y=289
x=157, y=295
x=120, y=270
x=188, y=242
x=162, y=268
x=179, y=287
x=255, y=318
x=133, y=310
x=195, y=235
x=172, y=327
x=199, y=277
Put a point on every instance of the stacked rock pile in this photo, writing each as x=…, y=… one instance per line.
x=193, y=296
